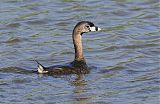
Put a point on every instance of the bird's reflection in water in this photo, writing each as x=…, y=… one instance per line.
x=80, y=93
x=80, y=90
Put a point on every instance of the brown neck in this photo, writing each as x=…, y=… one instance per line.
x=77, y=41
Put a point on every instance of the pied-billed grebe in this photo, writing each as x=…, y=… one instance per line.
x=78, y=66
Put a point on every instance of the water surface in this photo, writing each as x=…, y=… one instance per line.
x=124, y=56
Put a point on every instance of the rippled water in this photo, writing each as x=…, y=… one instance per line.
x=124, y=57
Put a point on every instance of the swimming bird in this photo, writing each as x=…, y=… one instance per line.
x=78, y=66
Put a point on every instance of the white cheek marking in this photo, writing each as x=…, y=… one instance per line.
x=93, y=28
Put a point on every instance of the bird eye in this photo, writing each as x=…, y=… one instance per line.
x=87, y=26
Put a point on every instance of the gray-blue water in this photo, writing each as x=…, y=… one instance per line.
x=124, y=56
